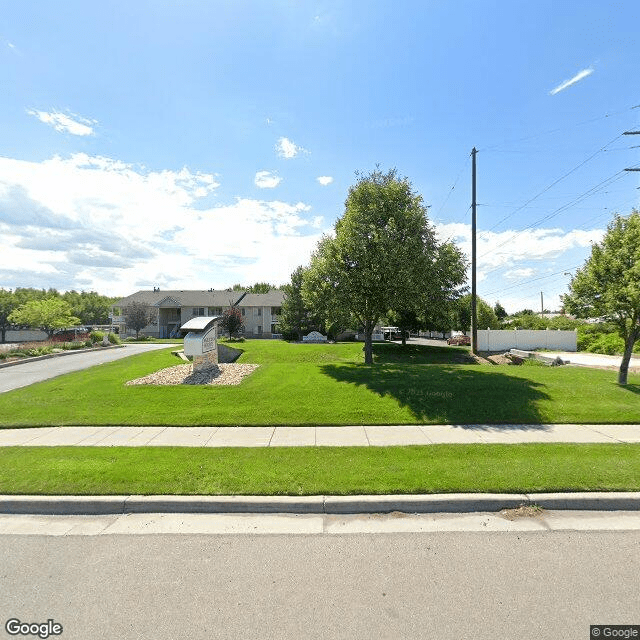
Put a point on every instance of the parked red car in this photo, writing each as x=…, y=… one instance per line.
x=459, y=340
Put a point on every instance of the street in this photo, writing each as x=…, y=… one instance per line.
x=27, y=373
x=444, y=585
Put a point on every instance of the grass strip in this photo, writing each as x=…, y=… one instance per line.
x=319, y=470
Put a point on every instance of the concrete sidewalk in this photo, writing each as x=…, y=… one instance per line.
x=321, y=436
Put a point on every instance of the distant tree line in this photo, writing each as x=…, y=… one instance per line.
x=48, y=309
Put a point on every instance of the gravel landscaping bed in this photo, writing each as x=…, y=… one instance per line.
x=219, y=374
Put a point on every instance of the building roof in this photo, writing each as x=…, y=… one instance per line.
x=272, y=299
x=181, y=298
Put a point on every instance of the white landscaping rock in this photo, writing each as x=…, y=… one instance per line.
x=220, y=374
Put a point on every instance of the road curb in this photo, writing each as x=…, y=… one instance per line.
x=47, y=356
x=438, y=503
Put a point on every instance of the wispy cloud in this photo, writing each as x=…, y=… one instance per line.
x=65, y=122
x=12, y=47
x=324, y=180
x=519, y=273
x=288, y=149
x=567, y=83
x=267, y=180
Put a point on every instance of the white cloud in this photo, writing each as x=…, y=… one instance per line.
x=324, y=180
x=88, y=222
x=567, y=83
x=267, y=179
x=69, y=123
x=288, y=149
x=514, y=274
x=508, y=257
x=509, y=248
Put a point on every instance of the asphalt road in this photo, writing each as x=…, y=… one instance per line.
x=27, y=373
x=544, y=585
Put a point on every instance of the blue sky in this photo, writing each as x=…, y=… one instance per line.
x=200, y=144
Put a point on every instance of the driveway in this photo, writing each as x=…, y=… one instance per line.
x=592, y=359
x=27, y=373
x=430, y=342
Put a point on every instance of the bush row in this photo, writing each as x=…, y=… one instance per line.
x=33, y=349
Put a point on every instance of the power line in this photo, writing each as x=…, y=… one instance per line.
x=557, y=130
x=587, y=194
x=549, y=187
x=519, y=283
x=452, y=189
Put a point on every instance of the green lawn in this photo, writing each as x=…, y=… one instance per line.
x=298, y=384
x=522, y=468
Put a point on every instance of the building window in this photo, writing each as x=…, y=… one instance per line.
x=259, y=311
x=242, y=312
x=276, y=311
x=198, y=311
x=259, y=330
x=215, y=311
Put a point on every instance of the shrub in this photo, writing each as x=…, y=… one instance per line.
x=564, y=324
x=73, y=346
x=589, y=336
x=607, y=343
x=114, y=339
x=96, y=336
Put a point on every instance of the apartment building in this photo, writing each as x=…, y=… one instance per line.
x=170, y=309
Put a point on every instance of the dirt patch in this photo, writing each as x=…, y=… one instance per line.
x=489, y=357
x=523, y=511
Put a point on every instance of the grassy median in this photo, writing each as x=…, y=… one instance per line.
x=302, y=384
x=319, y=470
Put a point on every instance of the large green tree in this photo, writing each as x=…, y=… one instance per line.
x=444, y=291
x=89, y=306
x=48, y=314
x=296, y=318
x=461, y=317
x=381, y=256
x=608, y=285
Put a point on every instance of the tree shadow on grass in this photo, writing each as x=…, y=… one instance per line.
x=634, y=388
x=386, y=353
x=448, y=394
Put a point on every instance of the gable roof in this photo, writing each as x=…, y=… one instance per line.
x=181, y=298
x=272, y=299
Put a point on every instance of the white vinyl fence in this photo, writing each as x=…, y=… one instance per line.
x=527, y=339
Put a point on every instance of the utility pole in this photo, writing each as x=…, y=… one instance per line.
x=541, y=304
x=474, y=308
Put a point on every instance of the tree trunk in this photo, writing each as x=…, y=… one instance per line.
x=4, y=334
x=628, y=350
x=368, y=346
x=404, y=339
